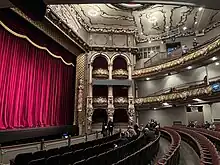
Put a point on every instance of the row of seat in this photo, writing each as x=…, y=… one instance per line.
x=143, y=156
x=206, y=149
x=78, y=151
x=172, y=156
x=113, y=156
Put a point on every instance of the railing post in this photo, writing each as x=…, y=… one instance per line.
x=42, y=144
x=86, y=137
x=69, y=140
x=97, y=134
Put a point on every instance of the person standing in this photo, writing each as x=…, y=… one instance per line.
x=110, y=127
x=104, y=129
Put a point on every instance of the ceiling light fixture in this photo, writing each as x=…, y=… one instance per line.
x=196, y=22
x=93, y=13
x=167, y=27
x=217, y=63
x=200, y=9
x=149, y=41
x=155, y=108
x=147, y=78
x=189, y=105
x=184, y=28
x=189, y=67
x=214, y=58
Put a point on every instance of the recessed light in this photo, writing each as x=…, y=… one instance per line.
x=189, y=67
x=200, y=9
x=165, y=104
x=184, y=28
x=189, y=105
x=93, y=13
x=217, y=63
x=196, y=22
x=167, y=27
x=149, y=41
x=199, y=100
x=214, y=58
x=155, y=108
x=162, y=42
x=147, y=78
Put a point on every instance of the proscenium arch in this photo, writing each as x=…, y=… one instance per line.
x=99, y=54
x=122, y=55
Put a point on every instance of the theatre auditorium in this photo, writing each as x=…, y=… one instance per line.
x=109, y=82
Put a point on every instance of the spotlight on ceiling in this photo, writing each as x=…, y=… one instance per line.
x=184, y=28
x=149, y=41
x=214, y=58
x=155, y=108
x=147, y=78
x=93, y=13
x=189, y=67
x=196, y=22
x=189, y=105
x=200, y=9
x=217, y=63
x=167, y=27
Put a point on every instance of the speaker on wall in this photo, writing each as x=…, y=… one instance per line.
x=35, y=9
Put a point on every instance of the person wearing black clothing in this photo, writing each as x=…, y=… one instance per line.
x=104, y=129
x=124, y=140
x=137, y=130
x=110, y=127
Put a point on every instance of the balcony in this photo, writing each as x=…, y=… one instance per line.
x=100, y=73
x=100, y=102
x=121, y=102
x=120, y=74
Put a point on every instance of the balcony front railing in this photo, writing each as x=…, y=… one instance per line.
x=100, y=73
x=120, y=74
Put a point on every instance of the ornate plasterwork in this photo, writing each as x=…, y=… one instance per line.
x=205, y=51
x=168, y=20
x=120, y=74
x=100, y=100
x=100, y=73
x=174, y=96
x=120, y=100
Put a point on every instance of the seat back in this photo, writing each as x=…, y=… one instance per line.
x=41, y=161
x=53, y=160
x=39, y=154
x=23, y=159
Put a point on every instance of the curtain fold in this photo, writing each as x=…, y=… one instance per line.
x=36, y=90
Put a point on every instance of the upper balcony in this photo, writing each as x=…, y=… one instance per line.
x=198, y=56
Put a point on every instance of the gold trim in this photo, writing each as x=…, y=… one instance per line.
x=34, y=44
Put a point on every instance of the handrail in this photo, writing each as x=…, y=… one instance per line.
x=172, y=156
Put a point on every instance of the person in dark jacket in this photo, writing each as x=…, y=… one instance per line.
x=124, y=140
x=137, y=130
x=104, y=129
x=110, y=127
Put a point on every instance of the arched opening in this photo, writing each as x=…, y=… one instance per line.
x=120, y=70
x=100, y=68
x=99, y=116
x=119, y=63
x=120, y=116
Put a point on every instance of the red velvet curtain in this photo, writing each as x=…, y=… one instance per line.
x=36, y=89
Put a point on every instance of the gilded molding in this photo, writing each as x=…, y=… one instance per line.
x=174, y=96
x=100, y=73
x=203, y=52
x=120, y=74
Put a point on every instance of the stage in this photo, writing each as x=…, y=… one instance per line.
x=19, y=136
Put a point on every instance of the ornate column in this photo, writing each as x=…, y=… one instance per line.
x=131, y=108
x=111, y=109
x=89, y=106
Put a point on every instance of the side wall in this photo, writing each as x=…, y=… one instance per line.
x=149, y=87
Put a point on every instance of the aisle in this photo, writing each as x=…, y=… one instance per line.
x=164, y=147
x=187, y=155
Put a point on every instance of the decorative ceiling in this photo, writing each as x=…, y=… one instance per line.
x=147, y=22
